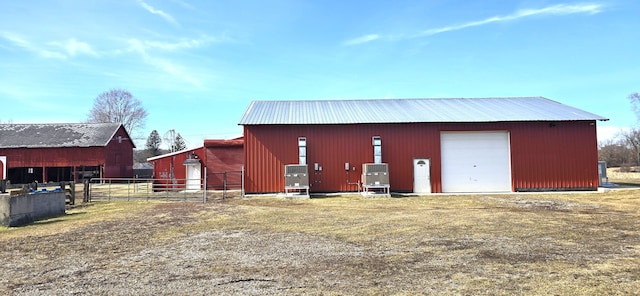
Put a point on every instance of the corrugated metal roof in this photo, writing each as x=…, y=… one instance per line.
x=412, y=110
x=174, y=153
x=52, y=135
x=224, y=143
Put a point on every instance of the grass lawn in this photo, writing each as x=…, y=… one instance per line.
x=527, y=244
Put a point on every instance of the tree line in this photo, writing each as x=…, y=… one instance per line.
x=624, y=150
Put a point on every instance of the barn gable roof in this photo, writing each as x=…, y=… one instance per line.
x=412, y=111
x=54, y=135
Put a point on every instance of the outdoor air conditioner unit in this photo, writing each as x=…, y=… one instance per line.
x=375, y=174
x=296, y=175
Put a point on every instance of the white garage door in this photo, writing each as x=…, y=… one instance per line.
x=475, y=161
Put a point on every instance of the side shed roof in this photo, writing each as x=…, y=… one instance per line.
x=412, y=111
x=54, y=135
x=224, y=143
x=186, y=151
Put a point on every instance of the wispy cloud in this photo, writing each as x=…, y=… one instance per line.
x=73, y=47
x=21, y=42
x=51, y=50
x=167, y=17
x=142, y=47
x=559, y=9
x=362, y=39
x=181, y=44
x=184, y=4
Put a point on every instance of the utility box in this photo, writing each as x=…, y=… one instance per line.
x=296, y=175
x=375, y=174
x=602, y=173
x=296, y=179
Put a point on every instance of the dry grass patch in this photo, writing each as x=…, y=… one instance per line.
x=616, y=175
x=527, y=244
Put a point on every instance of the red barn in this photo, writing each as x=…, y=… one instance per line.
x=187, y=166
x=64, y=152
x=427, y=145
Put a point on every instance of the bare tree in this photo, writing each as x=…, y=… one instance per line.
x=616, y=153
x=174, y=141
x=634, y=98
x=632, y=139
x=118, y=106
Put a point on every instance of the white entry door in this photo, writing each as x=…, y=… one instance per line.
x=193, y=177
x=421, y=175
x=3, y=167
x=475, y=161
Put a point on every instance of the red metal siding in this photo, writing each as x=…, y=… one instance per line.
x=222, y=159
x=53, y=157
x=118, y=156
x=269, y=148
x=543, y=157
x=562, y=155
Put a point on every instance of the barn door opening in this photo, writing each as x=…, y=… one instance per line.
x=421, y=175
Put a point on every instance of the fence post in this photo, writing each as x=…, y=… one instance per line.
x=242, y=182
x=224, y=185
x=204, y=186
x=72, y=186
x=85, y=191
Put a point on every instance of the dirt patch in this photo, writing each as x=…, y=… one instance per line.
x=542, y=204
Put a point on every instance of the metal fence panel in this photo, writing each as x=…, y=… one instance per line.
x=218, y=185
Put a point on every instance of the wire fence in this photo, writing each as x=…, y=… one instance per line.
x=217, y=185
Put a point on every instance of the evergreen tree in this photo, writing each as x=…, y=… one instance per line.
x=153, y=144
x=178, y=144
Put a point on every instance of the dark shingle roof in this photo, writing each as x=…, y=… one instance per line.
x=50, y=135
x=411, y=111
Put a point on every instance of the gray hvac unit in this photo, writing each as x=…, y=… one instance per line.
x=375, y=174
x=296, y=175
x=602, y=173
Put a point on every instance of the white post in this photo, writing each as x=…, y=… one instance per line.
x=242, y=182
x=204, y=186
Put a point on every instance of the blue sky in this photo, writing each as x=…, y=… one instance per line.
x=196, y=65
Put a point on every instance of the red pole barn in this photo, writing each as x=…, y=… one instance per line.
x=64, y=152
x=425, y=145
